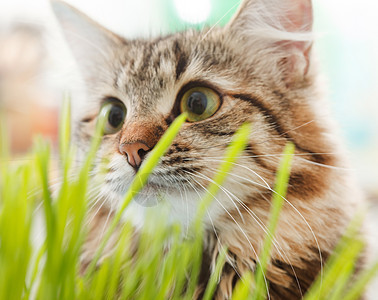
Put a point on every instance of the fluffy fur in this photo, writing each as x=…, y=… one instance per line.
x=262, y=66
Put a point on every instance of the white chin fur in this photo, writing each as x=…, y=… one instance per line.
x=177, y=202
x=180, y=207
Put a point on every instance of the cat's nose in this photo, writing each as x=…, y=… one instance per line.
x=135, y=153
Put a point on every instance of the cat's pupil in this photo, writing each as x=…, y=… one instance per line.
x=116, y=116
x=197, y=103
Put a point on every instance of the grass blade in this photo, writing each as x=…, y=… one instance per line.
x=359, y=286
x=282, y=180
x=243, y=287
x=65, y=129
x=214, y=278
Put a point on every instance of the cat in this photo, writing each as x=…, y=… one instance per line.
x=259, y=68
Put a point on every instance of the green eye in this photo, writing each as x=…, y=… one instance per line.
x=200, y=103
x=115, y=112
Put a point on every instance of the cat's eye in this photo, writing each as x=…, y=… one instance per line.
x=116, y=113
x=200, y=103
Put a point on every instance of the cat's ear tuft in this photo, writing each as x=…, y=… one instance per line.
x=90, y=42
x=281, y=25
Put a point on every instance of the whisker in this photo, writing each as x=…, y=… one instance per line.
x=252, y=171
x=265, y=229
x=292, y=206
x=298, y=127
x=276, y=244
x=212, y=223
x=208, y=158
x=295, y=209
x=272, y=155
x=222, y=188
x=100, y=197
x=106, y=223
x=324, y=165
x=221, y=247
x=310, y=228
x=240, y=228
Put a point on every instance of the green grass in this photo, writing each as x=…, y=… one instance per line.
x=154, y=270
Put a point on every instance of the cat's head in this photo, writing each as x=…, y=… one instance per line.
x=256, y=69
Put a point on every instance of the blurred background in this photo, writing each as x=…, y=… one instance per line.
x=36, y=67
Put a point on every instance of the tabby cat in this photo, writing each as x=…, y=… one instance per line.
x=260, y=69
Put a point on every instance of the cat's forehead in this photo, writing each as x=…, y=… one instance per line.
x=151, y=64
x=168, y=57
x=147, y=71
x=152, y=72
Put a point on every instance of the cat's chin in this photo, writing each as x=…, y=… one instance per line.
x=150, y=195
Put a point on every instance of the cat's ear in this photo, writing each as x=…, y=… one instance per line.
x=282, y=25
x=90, y=43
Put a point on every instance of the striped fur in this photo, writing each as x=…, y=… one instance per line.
x=262, y=66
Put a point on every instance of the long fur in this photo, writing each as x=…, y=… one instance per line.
x=262, y=65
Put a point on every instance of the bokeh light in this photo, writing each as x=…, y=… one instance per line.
x=194, y=11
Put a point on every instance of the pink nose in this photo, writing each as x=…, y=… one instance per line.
x=135, y=153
